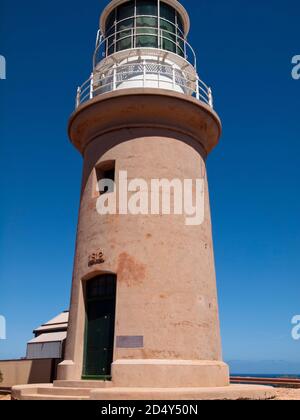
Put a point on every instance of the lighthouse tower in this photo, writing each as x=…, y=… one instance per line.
x=144, y=309
x=144, y=313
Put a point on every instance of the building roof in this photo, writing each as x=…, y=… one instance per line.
x=60, y=322
x=49, y=338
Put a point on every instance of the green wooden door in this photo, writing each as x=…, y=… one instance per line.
x=100, y=320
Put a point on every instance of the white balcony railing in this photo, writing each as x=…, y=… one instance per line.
x=144, y=75
x=126, y=33
x=128, y=40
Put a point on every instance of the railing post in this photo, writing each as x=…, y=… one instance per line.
x=106, y=46
x=144, y=73
x=92, y=86
x=161, y=39
x=174, y=76
x=197, y=89
x=210, y=98
x=115, y=77
x=115, y=37
x=78, y=97
x=158, y=23
x=97, y=38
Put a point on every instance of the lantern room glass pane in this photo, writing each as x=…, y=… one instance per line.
x=125, y=34
x=168, y=27
x=180, y=24
x=168, y=36
x=180, y=35
x=146, y=25
x=150, y=22
x=126, y=10
x=135, y=24
x=110, y=21
x=125, y=13
x=110, y=30
x=167, y=12
x=146, y=7
x=145, y=40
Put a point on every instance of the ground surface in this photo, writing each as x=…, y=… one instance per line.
x=288, y=394
x=4, y=397
x=282, y=394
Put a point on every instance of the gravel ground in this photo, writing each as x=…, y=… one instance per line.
x=288, y=394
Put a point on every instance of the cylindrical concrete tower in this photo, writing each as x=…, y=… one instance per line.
x=144, y=309
x=144, y=314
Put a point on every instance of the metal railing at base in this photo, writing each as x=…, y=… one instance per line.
x=276, y=382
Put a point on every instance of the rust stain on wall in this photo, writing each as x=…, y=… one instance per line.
x=130, y=271
x=92, y=205
x=190, y=324
x=160, y=354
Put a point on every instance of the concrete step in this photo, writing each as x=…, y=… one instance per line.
x=82, y=384
x=72, y=392
x=48, y=397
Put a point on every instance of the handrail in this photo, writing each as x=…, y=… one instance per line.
x=144, y=74
x=146, y=28
x=104, y=43
x=146, y=16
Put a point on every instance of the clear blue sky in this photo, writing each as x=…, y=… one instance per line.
x=244, y=51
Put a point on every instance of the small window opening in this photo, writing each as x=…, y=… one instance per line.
x=106, y=178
